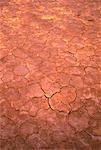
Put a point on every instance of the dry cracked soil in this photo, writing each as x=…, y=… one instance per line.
x=50, y=74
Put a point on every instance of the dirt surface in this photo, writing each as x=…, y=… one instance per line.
x=50, y=74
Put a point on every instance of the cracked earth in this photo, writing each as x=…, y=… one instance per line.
x=50, y=74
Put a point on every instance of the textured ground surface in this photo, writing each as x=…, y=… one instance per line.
x=50, y=75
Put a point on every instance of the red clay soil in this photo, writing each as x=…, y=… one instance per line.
x=50, y=74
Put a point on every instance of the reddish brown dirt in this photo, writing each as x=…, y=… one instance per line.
x=50, y=74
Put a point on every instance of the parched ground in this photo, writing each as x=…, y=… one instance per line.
x=50, y=74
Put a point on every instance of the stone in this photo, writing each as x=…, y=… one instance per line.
x=21, y=70
x=50, y=87
x=34, y=90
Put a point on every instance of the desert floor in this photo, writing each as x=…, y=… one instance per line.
x=50, y=74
